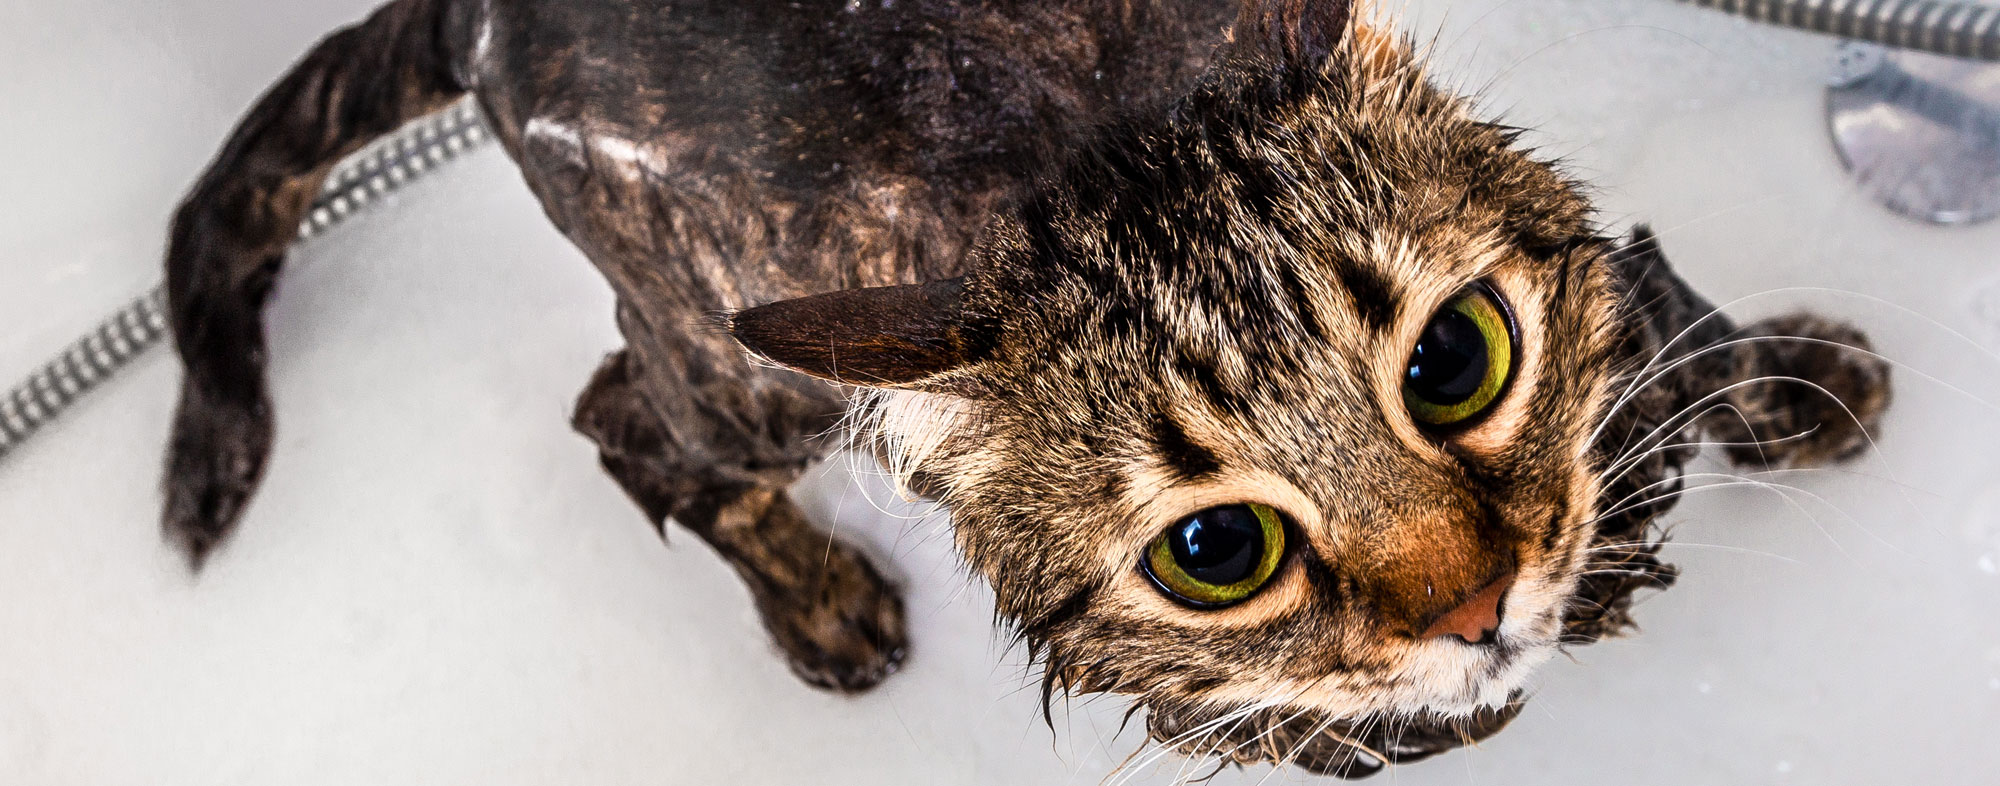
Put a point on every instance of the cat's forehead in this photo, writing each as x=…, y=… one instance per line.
x=1265, y=255
x=1245, y=203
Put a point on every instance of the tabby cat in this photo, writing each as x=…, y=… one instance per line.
x=1265, y=383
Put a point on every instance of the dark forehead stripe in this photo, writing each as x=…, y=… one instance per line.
x=1302, y=304
x=1191, y=461
x=1374, y=298
x=1204, y=377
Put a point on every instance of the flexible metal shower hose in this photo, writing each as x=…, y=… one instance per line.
x=364, y=178
x=1958, y=29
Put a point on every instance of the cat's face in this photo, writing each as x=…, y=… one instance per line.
x=1275, y=412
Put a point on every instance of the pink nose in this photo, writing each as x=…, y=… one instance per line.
x=1477, y=618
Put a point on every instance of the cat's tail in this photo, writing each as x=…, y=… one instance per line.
x=230, y=236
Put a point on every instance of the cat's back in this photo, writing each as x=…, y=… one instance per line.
x=957, y=92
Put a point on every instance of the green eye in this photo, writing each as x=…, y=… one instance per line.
x=1462, y=361
x=1218, y=557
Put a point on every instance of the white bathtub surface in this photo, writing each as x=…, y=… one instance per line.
x=438, y=586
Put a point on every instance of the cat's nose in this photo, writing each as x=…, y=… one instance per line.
x=1477, y=618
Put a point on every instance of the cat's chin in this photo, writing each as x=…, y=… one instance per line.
x=1452, y=680
x=1489, y=677
x=1448, y=678
x=1448, y=694
x=1348, y=747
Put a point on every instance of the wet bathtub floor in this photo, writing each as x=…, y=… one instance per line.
x=437, y=586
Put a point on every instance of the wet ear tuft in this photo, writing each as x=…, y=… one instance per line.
x=1299, y=30
x=899, y=337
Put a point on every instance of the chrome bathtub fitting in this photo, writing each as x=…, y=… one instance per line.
x=1914, y=100
x=1920, y=133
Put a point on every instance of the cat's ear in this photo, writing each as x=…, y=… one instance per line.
x=1295, y=30
x=912, y=337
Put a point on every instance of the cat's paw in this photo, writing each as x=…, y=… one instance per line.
x=845, y=633
x=1822, y=399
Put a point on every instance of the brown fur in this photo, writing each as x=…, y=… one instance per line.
x=1109, y=266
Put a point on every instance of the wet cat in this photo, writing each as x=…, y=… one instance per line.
x=1265, y=383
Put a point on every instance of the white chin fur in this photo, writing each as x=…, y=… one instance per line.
x=1461, y=679
x=1452, y=679
x=1464, y=680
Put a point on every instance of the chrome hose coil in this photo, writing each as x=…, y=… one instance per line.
x=380, y=169
x=86, y=363
x=1957, y=29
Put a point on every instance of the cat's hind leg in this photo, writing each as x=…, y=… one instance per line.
x=837, y=620
x=230, y=235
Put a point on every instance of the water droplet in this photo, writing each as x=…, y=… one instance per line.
x=1986, y=565
x=1784, y=767
x=1705, y=688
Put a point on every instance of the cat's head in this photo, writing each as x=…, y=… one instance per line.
x=1272, y=410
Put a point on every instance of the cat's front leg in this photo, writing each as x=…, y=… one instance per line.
x=837, y=620
x=1794, y=390
x=1810, y=392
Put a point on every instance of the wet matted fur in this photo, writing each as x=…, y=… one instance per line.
x=1106, y=263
